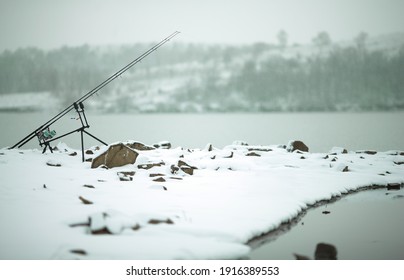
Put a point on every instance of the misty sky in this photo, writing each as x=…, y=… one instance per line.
x=53, y=23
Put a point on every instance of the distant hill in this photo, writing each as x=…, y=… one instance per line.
x=363, y=74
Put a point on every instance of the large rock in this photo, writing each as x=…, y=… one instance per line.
x=116, y=155
x=325, y=252
x=297, y=145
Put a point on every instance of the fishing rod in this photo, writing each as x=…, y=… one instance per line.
x=44, y=133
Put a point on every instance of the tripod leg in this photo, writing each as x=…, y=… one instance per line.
x=95, y=138
x=82, y=145
x=47, y=145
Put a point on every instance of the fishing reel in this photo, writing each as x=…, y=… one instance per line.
x=45, y=135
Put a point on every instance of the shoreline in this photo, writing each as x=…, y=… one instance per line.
x=286, y=226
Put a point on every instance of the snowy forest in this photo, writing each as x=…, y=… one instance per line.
x=364, y=74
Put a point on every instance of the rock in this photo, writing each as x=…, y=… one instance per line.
x=139, y=146
x=253, y=154
x=52, y=163
x=116, y=155
x=158, y=187
x=85, y=201
x=300, y=257
x=325, y=252
x=126, y=175
x=78, y=252
x=156, y=175
x=229, y=155
x=150, y=165
x=158, y=221
x=326, y=212
x=240, y=143
x=89, y=186
x=183, y=163
x=73, y=154
x=185, y=167
x=259, y=149
x=338, y=150
x=188, y=170
x=393, y=186
x=367, y=152
x=162, y=145
x=174, y=169
x=159, y=179
x=208, y=148
x=97, y=223
x=342, y=167
x=296, y=145
x=89, y=152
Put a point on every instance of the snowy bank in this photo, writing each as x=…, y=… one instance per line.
x=170, y=203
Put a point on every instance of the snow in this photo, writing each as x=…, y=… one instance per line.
x=235, y=194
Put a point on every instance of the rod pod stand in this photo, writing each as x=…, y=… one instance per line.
x=79, y=107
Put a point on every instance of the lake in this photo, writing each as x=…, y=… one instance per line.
x=380, y=131
x=362, y=226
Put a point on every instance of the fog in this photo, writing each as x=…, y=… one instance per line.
x=53, y=23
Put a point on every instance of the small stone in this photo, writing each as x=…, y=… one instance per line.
x=297, y=145
x=393, y=186
x=157, y=221
x=156, y=175
x=338, y=150
x=54, y=164
x=188, y=170
x=159, y=179
x=240, y=143
x=85, y=201
x=326, y=212
x=162, y=145
x=209, y=147
x=253, y=154
x=136, y=227
x=89, y=186
x=78, y=252
x=174, y=169
x=73, y=154
x=148, y=166
x=89, y=152
x=229, y=156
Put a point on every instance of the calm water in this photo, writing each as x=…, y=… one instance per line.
x=366, y=225
x=320, y=131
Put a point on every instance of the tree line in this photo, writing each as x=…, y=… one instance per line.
x=255, y=77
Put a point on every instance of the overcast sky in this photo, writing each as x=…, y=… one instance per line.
x=53, y=23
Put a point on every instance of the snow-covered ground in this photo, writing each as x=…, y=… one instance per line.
x=53, y=206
